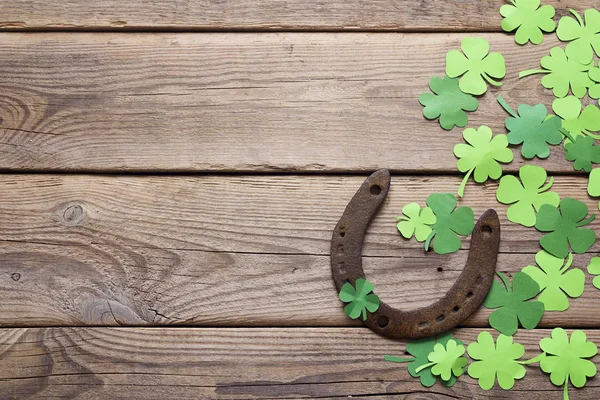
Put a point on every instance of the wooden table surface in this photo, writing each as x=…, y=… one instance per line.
x=172, y=171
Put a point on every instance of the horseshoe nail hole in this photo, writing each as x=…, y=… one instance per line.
x=440, y=318
x=423, y=325
x=440, y=269
x=470, y=294
x=456, y=309
x=487, y=231
x=383, y=321
x=479, y=280
x=375, y=190
x=342, y=233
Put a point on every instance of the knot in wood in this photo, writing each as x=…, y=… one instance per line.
x=74, y=214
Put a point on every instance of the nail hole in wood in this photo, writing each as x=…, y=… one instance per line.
x=440, y=269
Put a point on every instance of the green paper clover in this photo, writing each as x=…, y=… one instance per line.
x=575, y=121
x=529, y=19
x=446, y=361
x=594, y=269
x=566, y=227
x=532, y=127
x=361, y=299
x=476, y=66
x=584, y=36
x=513, y=305
x=481, y=155
x=526, y=196
x=449, y=223
x=583, y=152
x=416, y=221
x=495, y=360
x=448, y=103
x=555, y=281
x=566, y=360
x=594, y=91
x=594, y=183
x=420, y=350
x=563, y=73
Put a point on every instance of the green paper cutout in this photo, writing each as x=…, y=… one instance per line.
x=567, y=359
x=446, y=361
x=495, y=360
x=584, y=36
x=562, y=73
x=529, y=19
x=450, y=223
x=555, y=281
x=594, y=91
x=481, y=155
x=420, y=350
x=448, y=103
x=475, y=66
x=594, y=269
x=532, y=127
x=583, y=152
x=416, y=221
x=594, y=183
x=361, y=299
x=513, y=305
x=575, y=121
x=566, y=227
x=526, y=196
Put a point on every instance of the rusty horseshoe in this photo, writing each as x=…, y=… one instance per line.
x=455, y=306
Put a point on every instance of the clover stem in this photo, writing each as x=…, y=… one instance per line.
x=463, y=184
x=505, y=281
x=547, y=186
x=566, y=390
x=506, y=107
x=568, y=135
x=523, y=74
x=398, y=359
x=422, y=367
x=593, y=136
x=535, y=359
x=578, y=17
x=568, y=264
x=513, y=2
x=491, y=81
x=587, y=221
x=428, y=240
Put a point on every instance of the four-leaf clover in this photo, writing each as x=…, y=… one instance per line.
x=446, y=361
x=594, y=269
x=449, y=223
x=481, y=155
x=529, y=19
x=583, y=152
x=528, y=195
x=448, y=103
x=555, y=280
x=565, y=227
x=575, y=121
x=513, y=305
x=361, y=299
x=584, y=36
x=477, y=65
x=416, y=221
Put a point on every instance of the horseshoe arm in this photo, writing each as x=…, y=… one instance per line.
x=454, y=307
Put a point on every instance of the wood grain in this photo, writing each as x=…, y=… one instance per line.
x=353, y=15
x=239, y=102
x=227, y=250
x=191, y=363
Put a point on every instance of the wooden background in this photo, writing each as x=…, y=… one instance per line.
x=172, y=172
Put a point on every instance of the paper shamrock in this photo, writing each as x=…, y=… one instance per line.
x=446, y=361
x=477, y=65
x=567, y=359
x=420, y=350
x=529, y=19
x=583, y=152
x=584, y=36
x=416, y=221
x=594, y=183
x=495, y=360
x=449, y=223
x=594, y=91
x=361, y=299
x=512, y=304
x=532, y=127
x=565, y=227
x=555, y=280
x=448, y=103
x=481, y=155
x=575, y=121
x=562, y=73
x=526, y=196
x=594, y=269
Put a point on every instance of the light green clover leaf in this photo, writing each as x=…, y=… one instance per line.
x=594, y=183
x=446, y=361
x=526, y=196
x=567, y=359
x=449, y=223
x=448, y=103
x=562, y=73
x=584, y=152
x=361, y=299
x=575, y=121
x=594, y=91
x=565, y=227
x=481, y=155
x=495, y=360
x=529, y=19
x=594, y=269
x=477, y=65
x=416, y=221
x=556, y=281
x=584, y=36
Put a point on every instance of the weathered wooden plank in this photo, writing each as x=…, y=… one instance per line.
x=389, y=15
x=226, y=251
x=187, y=363
x=238, y=102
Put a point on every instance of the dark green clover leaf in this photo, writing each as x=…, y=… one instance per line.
x=449, y=223
x=361, y=299
x=583, y=152
x=513, y=305
x=448, y=103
